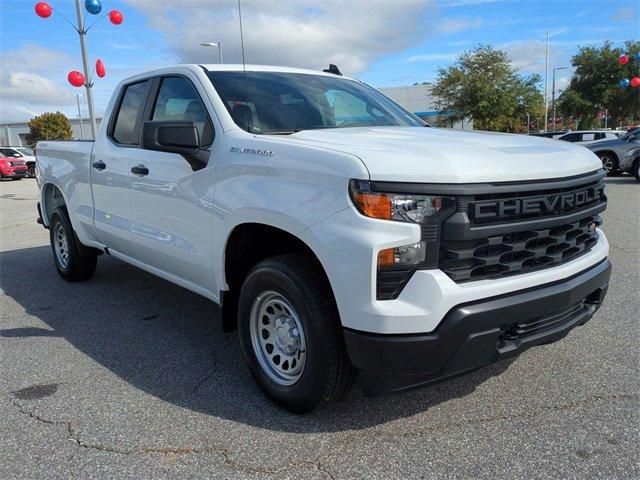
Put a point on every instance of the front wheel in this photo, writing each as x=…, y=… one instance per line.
x=291, y=336
x=635, y=170
x=73, y=264
x=609, y=163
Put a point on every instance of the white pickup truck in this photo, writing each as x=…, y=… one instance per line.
x=342, y=236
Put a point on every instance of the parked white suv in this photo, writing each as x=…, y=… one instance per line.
x=338, y=232
x=588, y=136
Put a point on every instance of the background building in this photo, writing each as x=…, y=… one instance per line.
x=418, y=99
x=15, y=134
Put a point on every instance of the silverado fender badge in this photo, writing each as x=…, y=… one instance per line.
x=253, y=151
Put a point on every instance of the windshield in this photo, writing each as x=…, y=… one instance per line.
x=25, y=151
x=282, y=103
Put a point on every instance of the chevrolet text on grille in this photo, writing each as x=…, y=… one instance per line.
x=539, y=204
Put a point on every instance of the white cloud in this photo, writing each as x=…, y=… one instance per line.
x=29, y=82
x=626, y=14
x=301, y=33
x=529, y=55
x=460, y=24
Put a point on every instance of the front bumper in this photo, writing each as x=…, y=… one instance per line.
x=477, y=333
x=14, y=173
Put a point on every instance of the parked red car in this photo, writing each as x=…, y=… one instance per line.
x=12, y=168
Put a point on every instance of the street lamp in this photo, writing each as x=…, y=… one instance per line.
x=214, y=44
x=553, y=94
x=80, y=116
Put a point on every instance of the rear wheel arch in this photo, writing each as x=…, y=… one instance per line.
x=52, y=198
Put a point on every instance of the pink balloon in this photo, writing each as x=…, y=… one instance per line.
x=75, y=78
x=43, y=9
x=101, y=71
x=116, y=17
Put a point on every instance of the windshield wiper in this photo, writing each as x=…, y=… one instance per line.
x=284, y=132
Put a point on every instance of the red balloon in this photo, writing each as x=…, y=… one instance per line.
x=635, y=82
x=100, y=70
x=116, y=17
x=43, y=9
x=623, y=59
x=76, y=78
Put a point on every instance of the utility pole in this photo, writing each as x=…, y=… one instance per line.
x=80, y=116
x=546, y=84
x=528, y=122
x=85, y=65
x=553, y=94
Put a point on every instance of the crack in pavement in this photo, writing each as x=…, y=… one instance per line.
x=318, y=465
x=226, y=454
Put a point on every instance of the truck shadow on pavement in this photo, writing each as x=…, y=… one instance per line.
x=167, y=341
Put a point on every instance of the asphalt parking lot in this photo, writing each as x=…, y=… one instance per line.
x=128, y=376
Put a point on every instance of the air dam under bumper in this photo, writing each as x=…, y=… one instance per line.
x=476, y=334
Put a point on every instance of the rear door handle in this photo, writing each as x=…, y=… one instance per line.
x=140, y=170
x=99, y=165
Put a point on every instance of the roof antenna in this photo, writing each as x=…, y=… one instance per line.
x=333, y=69
x=244, y=65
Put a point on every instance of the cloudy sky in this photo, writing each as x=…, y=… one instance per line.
x=383, y=42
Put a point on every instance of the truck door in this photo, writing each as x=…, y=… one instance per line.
x=110, y=170
x=172, y=205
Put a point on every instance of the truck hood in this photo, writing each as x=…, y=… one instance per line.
x=434, y=155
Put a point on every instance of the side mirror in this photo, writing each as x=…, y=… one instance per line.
x=175, y=137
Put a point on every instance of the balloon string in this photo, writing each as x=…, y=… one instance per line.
x=67, y=20
x=101, y=18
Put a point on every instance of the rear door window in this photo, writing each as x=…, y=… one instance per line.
x=126, y=129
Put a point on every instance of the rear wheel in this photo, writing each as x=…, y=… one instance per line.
x=291, y=336
x=609, y=163
x=16, y=178
x=73, y=262
x=635, y=170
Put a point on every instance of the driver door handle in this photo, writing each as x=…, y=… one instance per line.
x=99, y=165
x=140, y=170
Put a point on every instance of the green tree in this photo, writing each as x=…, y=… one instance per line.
x=594, y=85
x=49, y=126
x=484, y=85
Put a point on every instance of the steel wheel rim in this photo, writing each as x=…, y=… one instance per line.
x=607, y=163
x=61, y=245
x=277, y=338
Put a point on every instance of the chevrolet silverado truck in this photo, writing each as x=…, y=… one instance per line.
x=343, y=237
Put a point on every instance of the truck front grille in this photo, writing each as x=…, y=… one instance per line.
x=518, y=252
x=529, y=229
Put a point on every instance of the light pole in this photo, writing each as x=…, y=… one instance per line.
x=80, y=116
x=214, y=44
x=553, y=94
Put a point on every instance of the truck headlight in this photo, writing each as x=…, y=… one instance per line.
x=397, y=264
x=400, y=207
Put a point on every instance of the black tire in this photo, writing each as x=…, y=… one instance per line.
x=609, y=163
x=31, y=171
x=16, y=178
x=327, y=374
x=80, y=261
x=635, y=169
